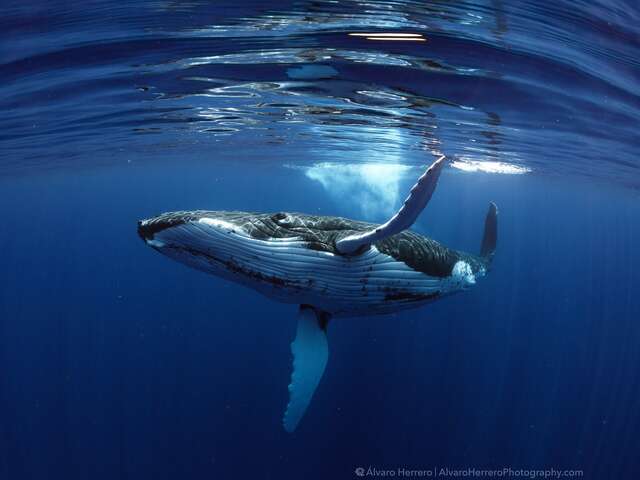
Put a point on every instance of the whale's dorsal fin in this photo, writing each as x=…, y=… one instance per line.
x=418, y=198
x=310, y=353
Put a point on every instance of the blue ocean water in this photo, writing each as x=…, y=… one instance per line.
x=116, y=363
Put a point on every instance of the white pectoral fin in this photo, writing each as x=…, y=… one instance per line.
x=310, y=352
x=417, y=200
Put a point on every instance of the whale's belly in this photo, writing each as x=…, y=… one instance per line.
x=289, y=271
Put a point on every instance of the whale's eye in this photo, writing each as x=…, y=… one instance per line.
x=278, y=216
x=286, y=221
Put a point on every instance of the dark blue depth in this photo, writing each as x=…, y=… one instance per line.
x=116, y=363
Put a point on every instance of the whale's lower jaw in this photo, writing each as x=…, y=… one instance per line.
x=287, y=270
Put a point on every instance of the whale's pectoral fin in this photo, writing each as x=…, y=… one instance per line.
x=417, y=200
x=310, y=353
x=490, y=236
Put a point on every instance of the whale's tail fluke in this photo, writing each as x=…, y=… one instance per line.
x=490, y=236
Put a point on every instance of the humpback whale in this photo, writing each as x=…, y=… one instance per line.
x=330, y=266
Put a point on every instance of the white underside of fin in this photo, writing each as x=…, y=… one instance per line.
x=310, y=353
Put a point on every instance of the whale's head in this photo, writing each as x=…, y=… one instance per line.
x=264, y=251
x=214, y=242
